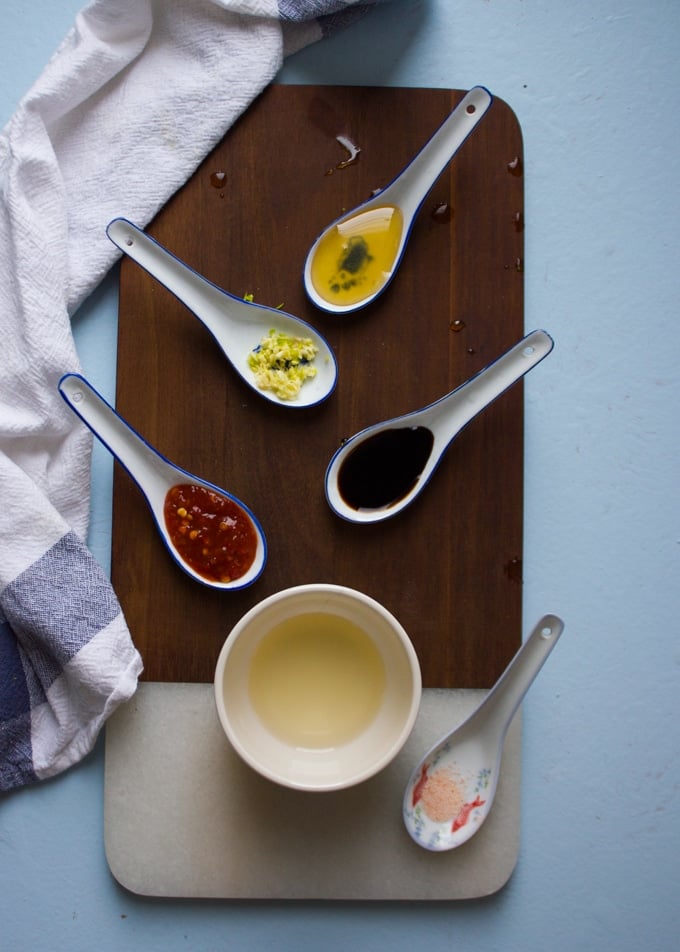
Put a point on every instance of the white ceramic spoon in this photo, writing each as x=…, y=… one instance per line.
x=456, y=779
x=153, y=473
x=236, y=325
x=380, y=470
x=406, y=192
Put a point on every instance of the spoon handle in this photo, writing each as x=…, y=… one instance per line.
x=202, y=297
x=460, y=406
x=502, y=701
x=139, y=458
x=416, y=180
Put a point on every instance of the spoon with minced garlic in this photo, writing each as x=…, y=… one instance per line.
x=282, y=357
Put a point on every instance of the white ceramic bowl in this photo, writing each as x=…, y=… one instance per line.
x=318, y=687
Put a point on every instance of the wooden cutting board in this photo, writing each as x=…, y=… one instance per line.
x=450, y=566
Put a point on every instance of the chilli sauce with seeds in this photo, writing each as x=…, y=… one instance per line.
x=211, y=533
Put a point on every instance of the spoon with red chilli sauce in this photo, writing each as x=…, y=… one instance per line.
x=355, y=257
x=211, y=534
x=449, y=794
x=281, y=357
x=380, y=470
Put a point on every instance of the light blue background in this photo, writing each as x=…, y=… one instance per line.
x=595, y=86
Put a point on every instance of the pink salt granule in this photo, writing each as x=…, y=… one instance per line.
x=443, y=796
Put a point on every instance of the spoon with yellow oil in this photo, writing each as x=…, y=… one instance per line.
x=355, y=258
x=450, y=792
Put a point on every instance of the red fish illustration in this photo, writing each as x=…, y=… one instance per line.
x=465, y=812
x=419, y=785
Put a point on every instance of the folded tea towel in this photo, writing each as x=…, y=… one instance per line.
x=135, y=97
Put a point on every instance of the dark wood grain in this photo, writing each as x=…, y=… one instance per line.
x=449, y=567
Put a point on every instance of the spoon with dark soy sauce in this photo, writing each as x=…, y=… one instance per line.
x=157, y=477
x=380, y=470
x=238, y=326
x=449, y=794
x=356, y=256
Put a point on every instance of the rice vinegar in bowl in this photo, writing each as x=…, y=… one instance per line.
x=303, y=674
x=318, y=687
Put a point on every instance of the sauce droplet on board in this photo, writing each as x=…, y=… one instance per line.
x=212, y=534
x=356, y=257
x=513, y=570
x=353, y=152
x=385, y=467
x=514, y=166
x=218, y=179
x=352, y=149
x=441, y=213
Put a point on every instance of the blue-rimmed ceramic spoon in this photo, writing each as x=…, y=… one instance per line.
x=450, y=792
x=238, y=326
x=380, y=470
x=156, y=476
x=356, y=256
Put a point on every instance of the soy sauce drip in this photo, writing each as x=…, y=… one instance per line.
x=218, y=179
x=385, y=467
x=515, y=166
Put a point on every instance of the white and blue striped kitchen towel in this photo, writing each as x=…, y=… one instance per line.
x=119, y=119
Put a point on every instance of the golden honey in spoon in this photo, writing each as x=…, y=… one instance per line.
x=356, y=257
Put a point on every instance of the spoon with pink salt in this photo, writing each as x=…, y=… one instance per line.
x=450, y=792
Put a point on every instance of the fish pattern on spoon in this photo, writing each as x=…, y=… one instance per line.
x=451, y=791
